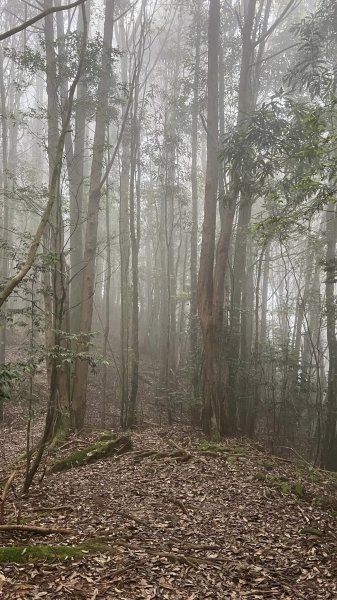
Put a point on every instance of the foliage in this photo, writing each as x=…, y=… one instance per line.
x=11, y=373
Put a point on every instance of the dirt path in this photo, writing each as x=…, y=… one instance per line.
x=219, y=525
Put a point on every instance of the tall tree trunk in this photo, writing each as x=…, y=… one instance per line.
x=329, y=450
x=79, y=394
x=5, y=200
x=135, y=241
x=212, y=416
x=107, y=287
x=124, y=244
x=194, y=326
x=60, y=392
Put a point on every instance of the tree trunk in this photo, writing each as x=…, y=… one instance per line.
x=329, y=450
x=194, y=326
x=212, y=410
x=79, y=393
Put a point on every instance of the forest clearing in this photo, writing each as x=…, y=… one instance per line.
x=168, y=305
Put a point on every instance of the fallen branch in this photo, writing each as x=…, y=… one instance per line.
x=133, y=518
x=4, y=496
x=178, y=558
x=35, y=529
x=180, y=455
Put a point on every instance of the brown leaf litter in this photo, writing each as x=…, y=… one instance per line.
x=218, y=525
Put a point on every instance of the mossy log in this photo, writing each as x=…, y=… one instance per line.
x=100, y=449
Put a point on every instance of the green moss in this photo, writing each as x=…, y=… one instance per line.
x=240, y=450
x=259, y=476
x=207, y=446
x=284, y=487
x=33, y=554
x=91, y=453
x=210, y=446
x=267, y=465
x=298, y=489
x=232, y=460
x=107, y=436
x=311, y=531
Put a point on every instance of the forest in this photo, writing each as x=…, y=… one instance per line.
x=168, y=272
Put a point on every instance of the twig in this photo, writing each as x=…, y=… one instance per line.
x=181, y=505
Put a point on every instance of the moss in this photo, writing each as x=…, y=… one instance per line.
x=232, y=460
x=34, y=554
x=327, y=502
x=107, y=436
x=210, y=446
x=311, y=531
x=91, y=453
x=284, y=487
x=298, y=489
x=259, y=476
x=314, y=476
x=240, y=450
x=267, y=465
x=206, y=446
x=62, y=431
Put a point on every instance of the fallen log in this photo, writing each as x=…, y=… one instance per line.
x=89, y=454
x=35, y=529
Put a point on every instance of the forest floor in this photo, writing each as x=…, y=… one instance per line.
x=223, y=521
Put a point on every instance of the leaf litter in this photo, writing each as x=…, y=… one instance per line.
x=181, y=525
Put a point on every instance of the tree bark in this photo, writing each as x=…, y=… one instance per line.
x=79, y=393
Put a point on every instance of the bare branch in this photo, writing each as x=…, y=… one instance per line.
x=292, y=4
x=42, y=15
x=12, y=283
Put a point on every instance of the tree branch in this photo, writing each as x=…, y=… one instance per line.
x=12, y=283
x=42, y=15
x=292, y=4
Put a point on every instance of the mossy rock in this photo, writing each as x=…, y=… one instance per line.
x=91, y=453
x=34, y=554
